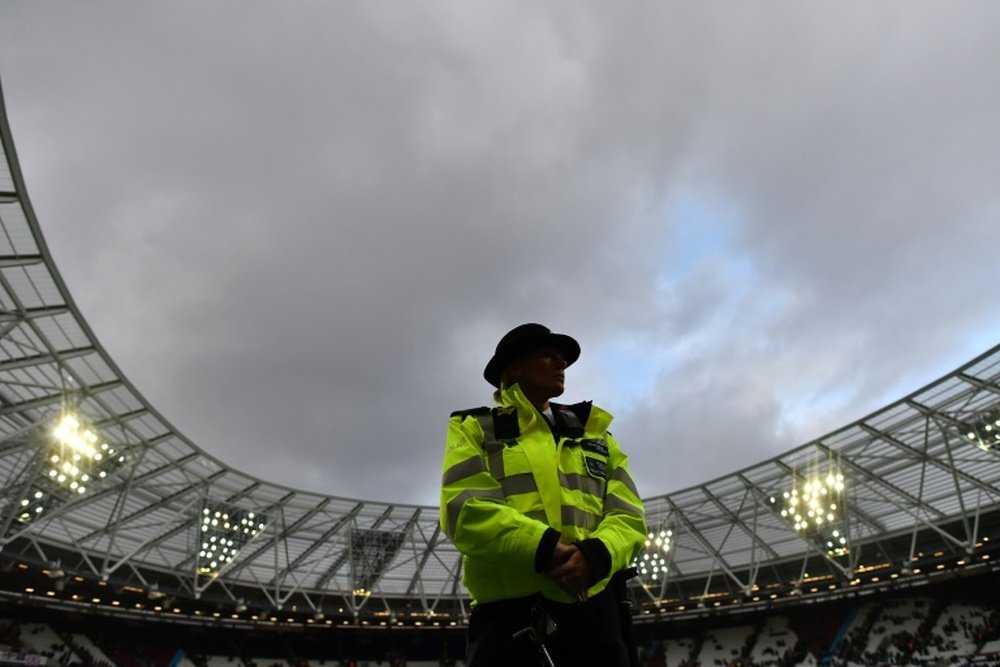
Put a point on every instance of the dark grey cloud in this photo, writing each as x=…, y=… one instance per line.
x=301, y=229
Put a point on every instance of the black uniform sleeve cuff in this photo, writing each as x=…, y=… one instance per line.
x=598, y=556
x=543, y=556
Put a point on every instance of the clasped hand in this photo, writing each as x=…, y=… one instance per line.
x=570, y=570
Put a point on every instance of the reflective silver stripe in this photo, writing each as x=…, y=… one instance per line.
x=522, y=483
x=621, y=475
x=538, y=515
x=456, y=503
x=496, y=465
x=616, y=503
x=585, y=483
x=460, y=471
x=490, y=442
x=574, y=516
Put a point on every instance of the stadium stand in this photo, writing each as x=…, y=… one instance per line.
x=958, y=618
x=773, y=639
x=877, y=631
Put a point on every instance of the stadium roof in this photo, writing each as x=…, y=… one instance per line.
x=97, y=484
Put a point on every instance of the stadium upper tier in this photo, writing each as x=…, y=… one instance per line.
x=98, y=486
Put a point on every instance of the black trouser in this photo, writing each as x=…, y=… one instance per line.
x=588, y=633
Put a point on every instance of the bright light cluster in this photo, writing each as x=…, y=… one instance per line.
x=70, y=432
x=817, y=510
x=652, y=562
x=224, y=530
x=74, y=461
x=985, y=432
x=816, y=504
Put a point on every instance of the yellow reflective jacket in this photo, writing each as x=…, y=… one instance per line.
x=512, y=483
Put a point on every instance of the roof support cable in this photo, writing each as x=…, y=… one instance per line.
x=974, y=538
x=183, y=513
x=877, y=481
x=958, y=491
x=802, y=571
x=907, y=567
x=979, y=383
x=141, y=482
x=717, y=558
x=38, y=549
x=754, y=558
x=166, y=501
x=926, y=458
x=13, y=261
x=861, y=470
x=277, y=555
x=417, y=579
x=46, y=401
x=759, y=502
x=22, y=315
x=44, y=359
x=749, y=491
x=289, y=568
x=119, y=507
x=316, y=544
x=283, y=536
x=31, y=471
x=10, y=448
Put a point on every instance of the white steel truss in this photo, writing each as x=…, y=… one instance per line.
x=920, y=478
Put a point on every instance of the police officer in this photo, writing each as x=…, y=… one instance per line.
x=538, y=498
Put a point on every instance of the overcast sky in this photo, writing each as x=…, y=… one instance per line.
x=300, y=228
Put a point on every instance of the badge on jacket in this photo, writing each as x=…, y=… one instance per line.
x=596, y=467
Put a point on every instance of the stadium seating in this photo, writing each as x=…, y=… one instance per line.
x=773, y=641
x=955, y=624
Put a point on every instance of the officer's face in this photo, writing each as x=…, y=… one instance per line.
x=541, y=373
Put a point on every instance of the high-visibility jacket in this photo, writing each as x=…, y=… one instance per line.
x=513, y=484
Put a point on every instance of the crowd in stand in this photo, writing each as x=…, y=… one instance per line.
x=654, y=655
x=897, y=648
x=66, y=653
x=889, y=631
x=167, y=644
x=918, y=647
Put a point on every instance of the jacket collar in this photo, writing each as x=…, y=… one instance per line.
x=528, y=415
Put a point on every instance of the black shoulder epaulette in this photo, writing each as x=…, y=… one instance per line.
x=505, y=425
x=471, y=412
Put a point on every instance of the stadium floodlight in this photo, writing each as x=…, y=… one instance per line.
x=815, y=507
x=75, y=459
x=223, y=530
x=984, y=432
x=651, y=562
